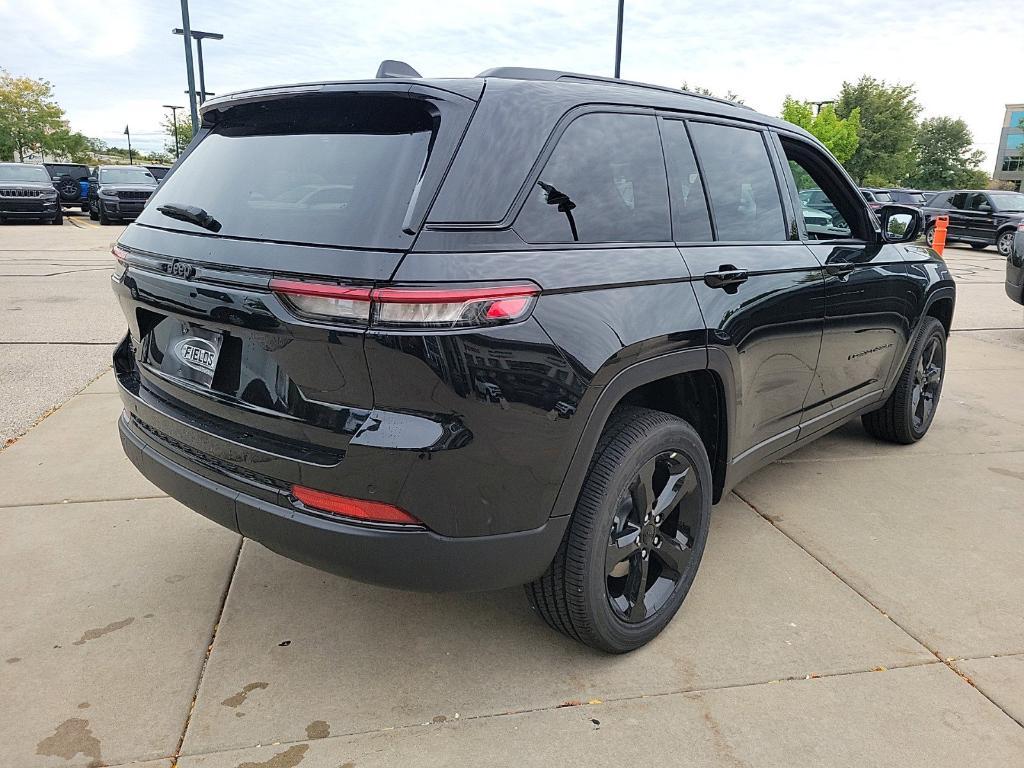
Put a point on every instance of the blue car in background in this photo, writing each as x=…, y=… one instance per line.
x=71, y=180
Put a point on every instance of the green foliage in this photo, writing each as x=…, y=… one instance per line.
x=944, y=156
x=31, y=121
x=840, y=135
x=184, y=132
x=888, y=126
x=700, y=91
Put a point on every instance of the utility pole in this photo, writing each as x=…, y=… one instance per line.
x=174, y=121
x=187, y=36
x=618, y=41
x=819, y=104
x=199, y=37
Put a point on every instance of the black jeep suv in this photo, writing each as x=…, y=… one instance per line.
x=26, y=192
x=119, y=192
x=523, y=328
x=72, y=183
x=979, y=217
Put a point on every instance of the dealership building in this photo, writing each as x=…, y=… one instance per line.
x=1010, y=156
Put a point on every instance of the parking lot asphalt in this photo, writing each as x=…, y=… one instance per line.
x=859, y=603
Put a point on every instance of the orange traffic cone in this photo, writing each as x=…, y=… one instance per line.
x=939, y=236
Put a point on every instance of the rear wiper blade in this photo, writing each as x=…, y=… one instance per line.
x=193, y=214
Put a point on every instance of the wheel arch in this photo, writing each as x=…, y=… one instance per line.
x=940, y=305
x=694, y=384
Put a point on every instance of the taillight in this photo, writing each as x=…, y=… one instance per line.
x=357, y=509
x=410, y=306
x=120, y=254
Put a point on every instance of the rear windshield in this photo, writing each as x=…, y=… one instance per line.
x=130, y=174
x=882, y=197
x=24, y=173
x=337, y=170
x=74, y=171
x=914, y=198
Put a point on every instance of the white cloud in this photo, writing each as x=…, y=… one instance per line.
x=121, y=64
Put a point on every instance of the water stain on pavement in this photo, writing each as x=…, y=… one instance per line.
x=287, y=759
x=71, y=738
x=92, y=634
x=14, y=660
x=239, y=698
x=318, y=729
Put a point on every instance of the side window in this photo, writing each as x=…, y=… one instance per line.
x=738, y=173
x=959, y=199
x=604, y=182
x=976, y=200
x=690, y=221
x=829, y=207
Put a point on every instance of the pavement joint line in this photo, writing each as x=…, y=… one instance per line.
x=64, y=502
x=209, y=651
x=947, y=662
x=57, y=344
x=55, y=274
x=569, y=705
x=1001, y=328
x=891, y=457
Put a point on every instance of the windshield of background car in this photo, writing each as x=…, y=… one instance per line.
x=24, y=173
x=1008, y=201
x=337, y=170
x=127, y=175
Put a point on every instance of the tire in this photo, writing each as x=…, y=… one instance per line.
x=590, y=591
x=68, y=189
x=979, y=246
x=85, y=207
x=1004, y=243
x=104, y=219
x=59, y=218
x=929, y=234
x=910, y=409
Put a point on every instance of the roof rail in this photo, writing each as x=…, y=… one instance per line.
x=530, y=73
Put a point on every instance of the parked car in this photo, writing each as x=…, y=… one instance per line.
x=119, y=192
x=655, y=335
x=72, y=183
x=158, y=171
x=876, y=198
x=979, y=217
x=27, y=192
x=911, y=197
x=1015, y=267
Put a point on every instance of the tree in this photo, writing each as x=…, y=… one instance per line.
x=839, y=135
x=729, y=95
x=31, y=121
x=888, y=126
x=184, y=133
x=944, y=156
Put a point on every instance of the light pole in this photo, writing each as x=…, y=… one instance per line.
x=174, y=121
x=618, y=41
x=199, y=37
x=187, y=32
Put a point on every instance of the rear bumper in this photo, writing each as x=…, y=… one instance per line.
x=416, y=559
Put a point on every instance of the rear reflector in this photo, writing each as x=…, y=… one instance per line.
x=410, y=307
x=358, y=509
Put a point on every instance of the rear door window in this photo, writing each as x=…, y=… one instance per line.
x=690, y=221
x=337, y=170
x=959, y=199
x=740, y=181
x=603, y=183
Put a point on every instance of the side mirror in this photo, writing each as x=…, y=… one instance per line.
x=900, y=223
x=985, y=207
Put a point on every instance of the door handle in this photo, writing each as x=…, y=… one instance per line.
x=727, y=277
x=840, y=268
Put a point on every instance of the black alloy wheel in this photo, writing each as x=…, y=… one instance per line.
x=927, y=383
x=651, y=539
x=636, y=537
x=1005, y=243
x=68, y=189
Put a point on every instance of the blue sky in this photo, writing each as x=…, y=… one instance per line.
x=119, y=65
